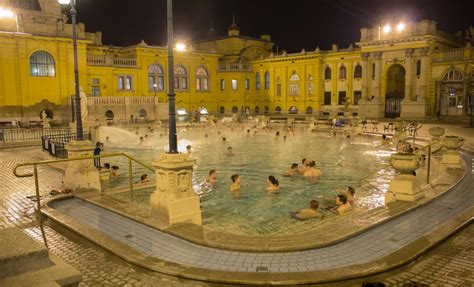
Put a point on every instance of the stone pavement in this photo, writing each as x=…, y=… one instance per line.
x=448, y=264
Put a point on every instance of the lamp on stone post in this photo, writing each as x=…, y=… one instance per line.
x=77, y=96
x=79, y=174
x=174, y=200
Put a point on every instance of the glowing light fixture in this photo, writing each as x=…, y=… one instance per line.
x=6, y=13
x=401, y=26
x=64, y=2
x=387, y=28
x=180, y=47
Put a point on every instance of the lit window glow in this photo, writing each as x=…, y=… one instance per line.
x=401, y=27
x=6, y=13
x=180, y=47
x=387, y=28
x=64, y=2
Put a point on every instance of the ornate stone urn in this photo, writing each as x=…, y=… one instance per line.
x=405, y=163
x=452, y=158
x=405, y=185
x=436, y=133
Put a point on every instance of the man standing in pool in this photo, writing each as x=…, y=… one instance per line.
x=312, y=171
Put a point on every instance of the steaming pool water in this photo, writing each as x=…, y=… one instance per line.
x=343, y=161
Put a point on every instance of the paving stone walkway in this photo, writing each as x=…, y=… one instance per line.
x=447, y=265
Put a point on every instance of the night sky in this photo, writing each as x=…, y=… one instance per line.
x=293, y=25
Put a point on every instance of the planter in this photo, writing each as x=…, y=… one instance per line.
x=436, y=132
x=405, y=163
x=452, y=143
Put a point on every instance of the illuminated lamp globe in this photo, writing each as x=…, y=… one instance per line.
x=6, y=13
x=401, y=27
x=180, y=47
x=387, y=28
x=64, y=2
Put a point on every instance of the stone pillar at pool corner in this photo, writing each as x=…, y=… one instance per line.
x=81, y=174
x=174, y=200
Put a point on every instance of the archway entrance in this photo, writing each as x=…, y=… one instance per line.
x=395, y=90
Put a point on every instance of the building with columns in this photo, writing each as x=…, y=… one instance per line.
x=410, y=70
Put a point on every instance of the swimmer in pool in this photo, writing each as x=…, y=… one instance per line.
x=292, y=170
x=272, y=184
x=312, y=171
x=230, y=151
x=212, y=178
x=235, y=186
x=308, y=213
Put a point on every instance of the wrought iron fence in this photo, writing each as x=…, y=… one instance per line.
x=21, y=135
x=55, y=145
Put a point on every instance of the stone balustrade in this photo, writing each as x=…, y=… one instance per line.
x=104, y=60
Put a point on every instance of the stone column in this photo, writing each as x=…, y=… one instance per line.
x=174, y=200
x=365, y=76
x=408, y=74
x=376, y=91
x=81, y=174
x=424, y=74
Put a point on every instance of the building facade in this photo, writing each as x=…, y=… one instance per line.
x=412, y=71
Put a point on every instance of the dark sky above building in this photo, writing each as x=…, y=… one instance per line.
x=293, y=25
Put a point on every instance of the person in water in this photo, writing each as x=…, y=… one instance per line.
x=308, y=213
x=292, y=170
x=188, y=149
x=235, y=186
x=230, y=151
x=349, y=192
x=342, y=206
x=144, y=178
x=304, y=166
x=312, y=171
x=212, y=178
x=273, y=184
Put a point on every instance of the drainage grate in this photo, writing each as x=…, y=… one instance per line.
x=128, y=236
x=262, y=269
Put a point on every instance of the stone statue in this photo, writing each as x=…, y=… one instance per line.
x=45, y=119
x=84, y=111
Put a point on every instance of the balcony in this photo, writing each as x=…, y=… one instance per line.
x=453, y=55
x=235, y=68
x=108, y=61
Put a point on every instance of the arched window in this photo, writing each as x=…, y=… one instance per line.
x=180, y=78
x=267, y=80
x=373, y=71
x=358, y=71
x=221, y=110
x=42, y=64
x=266, y=109
x=235, y=110
x=203, y=111
x=293, y=110
x=109, y=114
x=142, y=113
x=453, y=76
x=418, y=68
x=294, y=84
x=309, y=110
x=257, y=109
x=342, y=73
x=181, y=112
x=257, y=81
x=156, y=78
x=202, y=79
x=327, y=73
x=277, y=110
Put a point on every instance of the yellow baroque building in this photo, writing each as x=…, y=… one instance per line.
x=412, y=71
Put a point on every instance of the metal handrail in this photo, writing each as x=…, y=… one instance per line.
x=35, y=175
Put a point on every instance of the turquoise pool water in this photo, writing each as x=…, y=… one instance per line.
x=343, y=161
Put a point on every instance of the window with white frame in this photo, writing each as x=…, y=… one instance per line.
x=257, y=81
x=294, y=84
x=234, y=84
x=247, y=84
x=310, y=85
x=95, y=87
x=342, y=73
x=156, y=78
x=42, y=64
x=180, y=78
x=202, y=79
x=125, y=83
x=267, y=80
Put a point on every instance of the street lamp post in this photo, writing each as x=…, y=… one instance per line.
x=77, y=97
x=173, y=140
x=154, y=88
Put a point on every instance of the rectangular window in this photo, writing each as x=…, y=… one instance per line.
x=176, y=83
x=294, y=89
x=121, y=83
x=222, y=84
x=357, y=97
x=278, y=90
x=234, y=85
x=161, y=83
x=205, y=84
x=342, y=98
x=95, y=91
x=310, y=88
x=247, y=84
x=373, y=71
x=327, y=98
x=152, y=83
x=198, y=84
x=128, y=83
x=184, y=83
